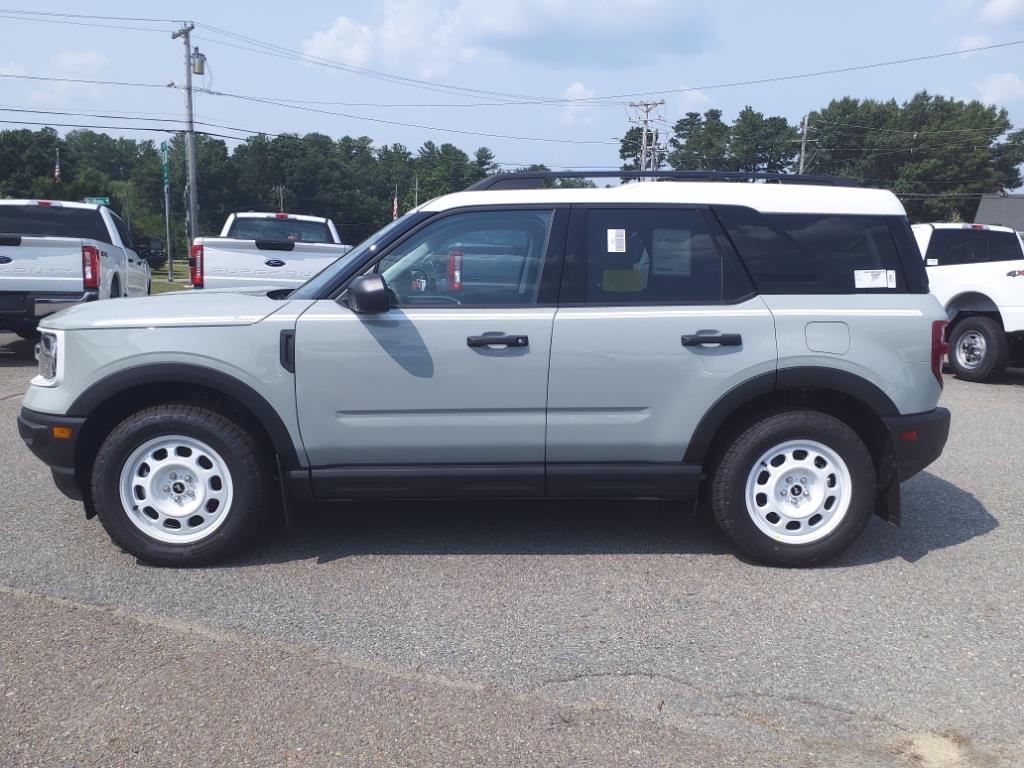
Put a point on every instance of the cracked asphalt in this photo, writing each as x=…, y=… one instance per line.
x=515, y=634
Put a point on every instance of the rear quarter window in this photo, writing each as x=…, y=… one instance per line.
x=1004, y=246
x=824, y=253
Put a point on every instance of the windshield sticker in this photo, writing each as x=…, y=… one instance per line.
x=616, y=241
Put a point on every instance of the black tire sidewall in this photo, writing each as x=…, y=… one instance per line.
x=996, y=348
x=730, y=479
x=247, y=494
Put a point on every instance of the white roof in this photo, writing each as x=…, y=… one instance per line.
x=767, y=198
x=57, y=203
x=261, y=215
x=961, y=225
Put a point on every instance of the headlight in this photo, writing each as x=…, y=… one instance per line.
x=49, y=353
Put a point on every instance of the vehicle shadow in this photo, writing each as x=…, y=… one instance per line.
x=15, y=351
x=1009, y=376
x=936, y=515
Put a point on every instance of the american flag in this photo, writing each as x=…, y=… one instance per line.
x=394, y=205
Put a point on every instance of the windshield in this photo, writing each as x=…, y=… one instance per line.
x=53, y=221
x=313, y=287
x=281, y=230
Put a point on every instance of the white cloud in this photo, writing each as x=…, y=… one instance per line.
x=1002, y=88
x=973, y=41
x=87, y=65
x=433, y=36
x=692, y=100
x=578, y=113
x=1000, y=11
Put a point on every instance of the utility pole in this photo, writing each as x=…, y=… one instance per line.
x=803, y=146
x=649, y=159
x=190, y=136
x=280, y=197
x=416, y=194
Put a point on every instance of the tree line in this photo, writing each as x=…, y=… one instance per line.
x=937, y=153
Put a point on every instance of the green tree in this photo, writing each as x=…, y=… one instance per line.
x=759, y=144
x=700, y=143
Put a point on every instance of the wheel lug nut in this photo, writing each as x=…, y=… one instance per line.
x=192, y=494
x=167, y=489
x=803, y=480
x=174, y=475
x=788, y=479
x=188, y=478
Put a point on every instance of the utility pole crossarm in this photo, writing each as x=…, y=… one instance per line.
x=649, y=150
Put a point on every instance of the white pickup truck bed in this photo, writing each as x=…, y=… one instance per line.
x=265, y=249
x=54, y=255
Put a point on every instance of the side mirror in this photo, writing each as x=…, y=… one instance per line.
x=367, y=294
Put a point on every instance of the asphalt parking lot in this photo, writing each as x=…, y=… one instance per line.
x=608, y=634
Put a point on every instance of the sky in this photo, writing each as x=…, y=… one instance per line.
x=481, y=66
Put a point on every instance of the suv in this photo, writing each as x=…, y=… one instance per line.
x=977, y=272
x=772, y=345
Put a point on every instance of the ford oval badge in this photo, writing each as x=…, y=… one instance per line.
x=274, y=263
x=5, y=259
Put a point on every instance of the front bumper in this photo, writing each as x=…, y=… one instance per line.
x=917, y=440
x=20, y=308
x=37, y=431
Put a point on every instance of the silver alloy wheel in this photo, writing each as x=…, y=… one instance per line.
x=176, y=489
x=970, y=350
x=798, y=492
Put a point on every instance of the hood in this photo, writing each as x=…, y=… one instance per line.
x=169, y=310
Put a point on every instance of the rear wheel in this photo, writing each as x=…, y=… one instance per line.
x=978, y=349
x=794, y=488
x=180, y=485
x=115, y=288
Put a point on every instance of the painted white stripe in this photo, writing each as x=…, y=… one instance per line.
x=848, y=312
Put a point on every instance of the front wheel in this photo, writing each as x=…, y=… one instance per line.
x=180, y=485
x=794, y=488
x=978, y=349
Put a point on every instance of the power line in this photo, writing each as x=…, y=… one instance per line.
x=421, y=126
x=85, y=16
x=14, y=17
x=84, y=81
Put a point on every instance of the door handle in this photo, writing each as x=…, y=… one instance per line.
x=721, y=339
x=498, y=341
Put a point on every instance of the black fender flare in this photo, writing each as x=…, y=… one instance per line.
x=187, y=373
x=833, y=379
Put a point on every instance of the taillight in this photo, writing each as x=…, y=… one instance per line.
x=280, y=215
x=195, y=265
x=90, y=267
x=455, y=270
x=44, y=203
x=939, y=348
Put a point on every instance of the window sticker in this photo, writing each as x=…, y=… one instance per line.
x=622, y=281
x=874, y=278
x=616, y=241
x=933, y=263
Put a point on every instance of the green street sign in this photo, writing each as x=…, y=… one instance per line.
x=98, y=200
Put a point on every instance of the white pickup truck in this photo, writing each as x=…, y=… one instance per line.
x=56, y=254
x=274, y=249
x=976, y=271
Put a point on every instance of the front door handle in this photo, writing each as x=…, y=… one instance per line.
x=498, y=341
x=721, y=339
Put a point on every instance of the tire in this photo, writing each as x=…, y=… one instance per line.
x=158, y=455
x=747, y=485
x=29, y=333
x=115, y=289
x=978, y=349
x=149, y=287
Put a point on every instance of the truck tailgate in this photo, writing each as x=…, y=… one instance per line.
x=40, y=264
x=230, y=263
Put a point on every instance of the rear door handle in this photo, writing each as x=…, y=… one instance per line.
x=498, y=341
x=721, y=339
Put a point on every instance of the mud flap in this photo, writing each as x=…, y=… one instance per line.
x=887, y=503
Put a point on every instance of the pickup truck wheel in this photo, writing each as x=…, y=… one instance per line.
x=978, y=349
x=180, y=485
x=29, y=333
x=115, y=289
x=794, y=488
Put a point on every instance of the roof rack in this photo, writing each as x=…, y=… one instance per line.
x=534, y=179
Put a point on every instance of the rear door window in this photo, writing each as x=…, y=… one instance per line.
x=946, y=247
x=816, y=253
x=657, y=256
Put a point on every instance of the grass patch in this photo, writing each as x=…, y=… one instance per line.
x=181, y=278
